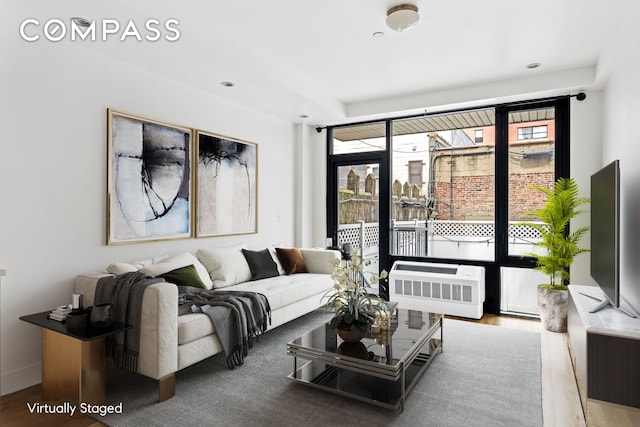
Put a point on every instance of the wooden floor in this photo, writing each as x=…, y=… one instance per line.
x=560, y=400
x=14, y=412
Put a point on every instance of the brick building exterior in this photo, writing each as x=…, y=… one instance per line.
x=464, y=181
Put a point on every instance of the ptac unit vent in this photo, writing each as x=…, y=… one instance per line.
x=457, y=290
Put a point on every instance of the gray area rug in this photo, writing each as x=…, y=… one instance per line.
x=486, y=376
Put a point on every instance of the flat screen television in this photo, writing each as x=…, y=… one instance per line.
x=605, y=233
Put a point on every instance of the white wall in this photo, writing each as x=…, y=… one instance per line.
x=319, y=176
x=53, y=175
x=586, y=146
x=621, y=141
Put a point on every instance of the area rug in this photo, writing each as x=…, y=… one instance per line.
x=486, y=376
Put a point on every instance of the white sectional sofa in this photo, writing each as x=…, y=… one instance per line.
x=169, y=342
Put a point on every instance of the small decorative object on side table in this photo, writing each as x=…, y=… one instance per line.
x=101, y=315
x=73, y=359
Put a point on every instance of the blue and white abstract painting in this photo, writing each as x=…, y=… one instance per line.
x=227, y=186
x=149, y=180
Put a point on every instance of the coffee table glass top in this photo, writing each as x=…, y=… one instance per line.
x=391, y=347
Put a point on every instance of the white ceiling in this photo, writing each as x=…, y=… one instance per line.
x=319, y=58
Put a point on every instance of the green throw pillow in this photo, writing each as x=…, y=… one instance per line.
x=184, y=276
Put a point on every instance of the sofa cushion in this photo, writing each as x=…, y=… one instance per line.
x=121, y=268
x=291, y=260
x=274, y=255
x=226, y=266
x=261, y=264
x=181, y=260
x=130, y=267
x=184, y=276
x=285, y=290
x=193, y=326
x=320, y=260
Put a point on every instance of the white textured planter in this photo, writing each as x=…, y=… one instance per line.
x=553, y=305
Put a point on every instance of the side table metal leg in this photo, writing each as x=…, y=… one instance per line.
x=93, y=385
x=72, y=368
x=60, y=366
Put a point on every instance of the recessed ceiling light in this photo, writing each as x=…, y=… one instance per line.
x=533, y=65
x=81, y=22
x=227, y=84
x=378, y=34
x=303, y=116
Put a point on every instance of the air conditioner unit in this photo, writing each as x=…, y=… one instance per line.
x=457, y=290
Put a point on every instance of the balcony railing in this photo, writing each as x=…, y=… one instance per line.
x=415, y=238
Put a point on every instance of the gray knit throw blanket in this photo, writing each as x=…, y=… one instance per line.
x=124, y=292
x=237, y=317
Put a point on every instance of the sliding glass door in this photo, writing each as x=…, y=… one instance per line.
x=357, y=172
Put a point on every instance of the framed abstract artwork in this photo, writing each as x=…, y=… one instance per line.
x=149, y=182
x=227, y=184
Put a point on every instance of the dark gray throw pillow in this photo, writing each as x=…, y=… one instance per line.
x=261, y=264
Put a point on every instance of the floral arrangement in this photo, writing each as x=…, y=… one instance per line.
x=354, y=307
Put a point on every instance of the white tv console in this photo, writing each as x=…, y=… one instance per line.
x=605, y=350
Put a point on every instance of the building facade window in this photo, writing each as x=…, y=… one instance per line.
x=532, y=132
x=479, y=136
x=415, y=172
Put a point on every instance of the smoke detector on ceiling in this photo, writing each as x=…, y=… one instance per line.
x=402, y=17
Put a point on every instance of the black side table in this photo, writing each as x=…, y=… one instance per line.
x=73, y=359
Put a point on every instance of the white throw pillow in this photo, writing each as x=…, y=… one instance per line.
x=144, y=262
x=121, y=268
x=181, y=260
x=226, y=266
x=130, y=267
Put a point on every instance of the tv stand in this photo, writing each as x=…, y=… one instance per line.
x=605, y=349
x=606, y=303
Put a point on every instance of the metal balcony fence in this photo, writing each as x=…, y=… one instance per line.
x=412, y=238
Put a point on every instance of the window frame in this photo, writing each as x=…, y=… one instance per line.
x=502, y=258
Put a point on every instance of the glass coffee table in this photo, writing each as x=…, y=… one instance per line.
x=382, y=369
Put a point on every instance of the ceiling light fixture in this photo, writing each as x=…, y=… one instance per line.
x=533, y=65
x=402, y=17
x=227, y=84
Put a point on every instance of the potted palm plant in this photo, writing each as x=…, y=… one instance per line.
x=561, y=246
